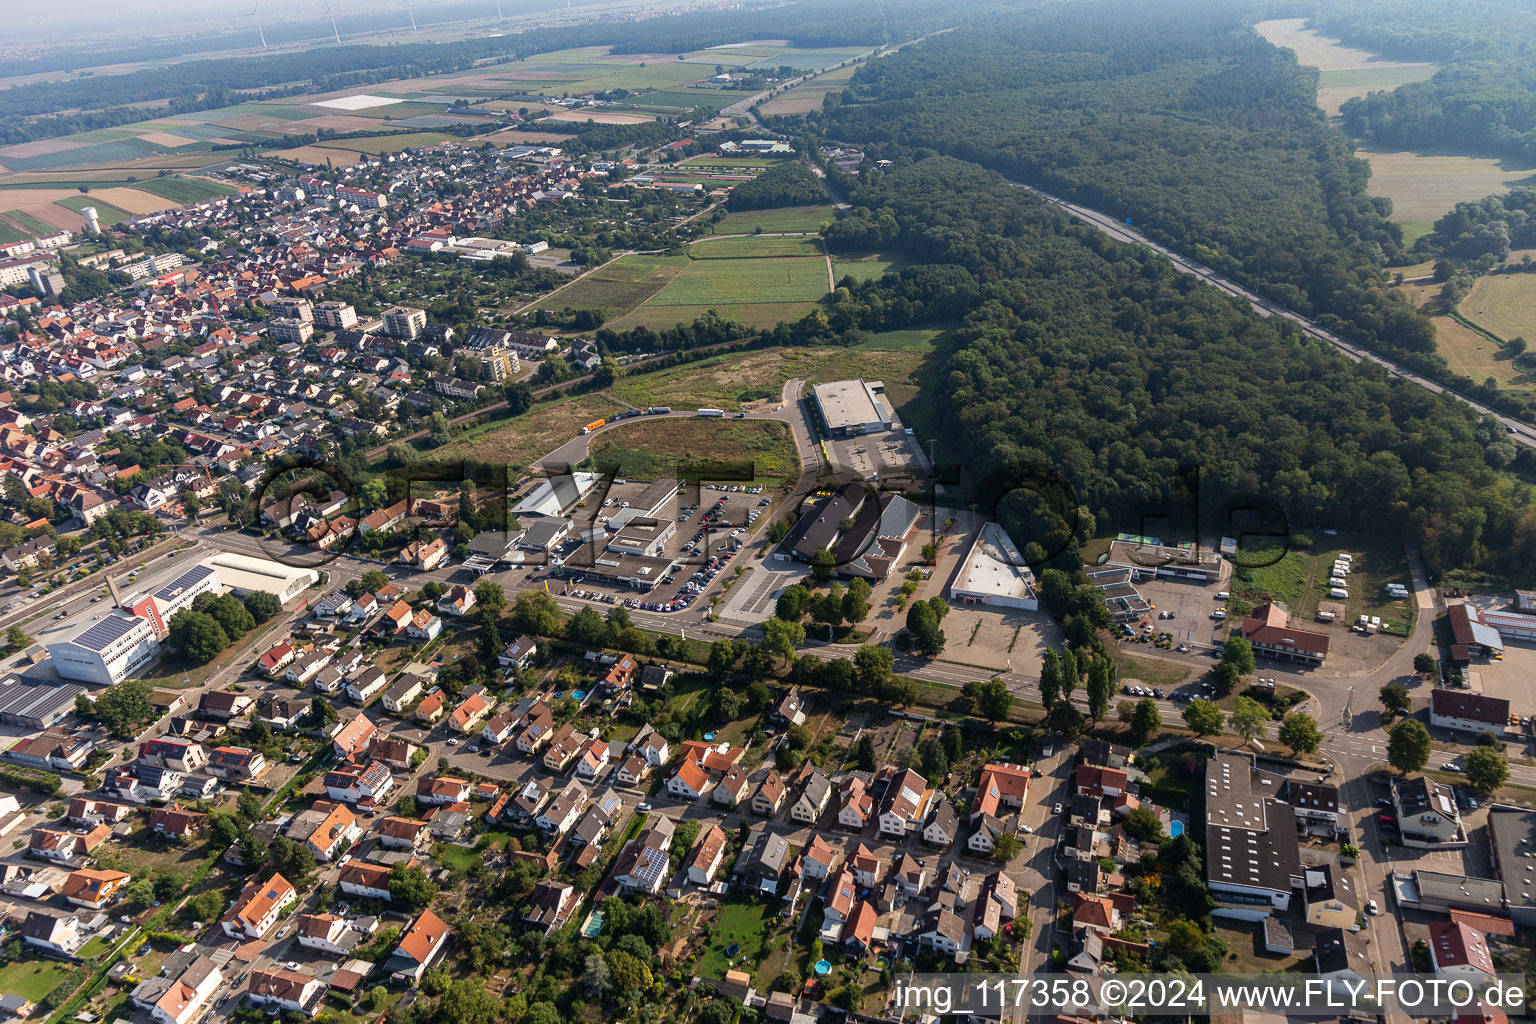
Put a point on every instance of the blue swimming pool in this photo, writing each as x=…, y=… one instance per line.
x=1176, y=829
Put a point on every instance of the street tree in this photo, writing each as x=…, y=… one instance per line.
x=1248, y=718
x=1485, y=768
x=1299, y=731
x=1203, y=716
x=1408, y=747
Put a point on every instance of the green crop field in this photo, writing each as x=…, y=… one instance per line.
x=11, y=233
x=753, y=246
x=32, y=225
x=619, y=287
x=785, y=218
x=184, y=190
x=745, y=281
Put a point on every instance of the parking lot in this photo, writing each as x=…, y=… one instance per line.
x=702, y=529
x=1190, y=606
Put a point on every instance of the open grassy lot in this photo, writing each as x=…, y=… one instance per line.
x=1424, y=186
x=808, y=59
x=521, y=440
x=716, y=383
x=647, y=448
x=785, y=218
x=105, y=211
x=747, y=925
x=32, y=979
x=1148, y=671
x=619, y=287
x=809, y=96
x=746, y=281
x=1504, y=304
x=1299, y=579
x=714, y=248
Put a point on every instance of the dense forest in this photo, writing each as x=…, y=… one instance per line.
x=786, y=184
x=1185, y=121
x=1484, y=99
x=1099, y=362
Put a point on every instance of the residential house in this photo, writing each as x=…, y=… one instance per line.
x=370, y=881
x=52, y=933
x=818, y=858
x=95, y=889
x=404, y=833
x=1458, y=949
x=285, y=990
x=549, y=905
x=469, y=713
x=643, y=864
x=765, y=863
x=855, y=805
x=564, y=810
x=1330, y=898
x=182, y=994
x=421, y=947
x=812, y=797
x=904, y=804
x=236, y=764
x=707, y=853
x=732, y=788
x=258, y=907
x=442, y=790
x=769, y=795
x=327, y=828
x=176, y=822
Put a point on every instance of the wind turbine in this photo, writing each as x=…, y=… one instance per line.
x=332, y=15
x=256, y=13
x=410, y=6
x=499, y=15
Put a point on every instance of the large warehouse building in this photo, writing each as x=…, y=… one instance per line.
x=995, y=573
x=852, y=407
x=244, y=574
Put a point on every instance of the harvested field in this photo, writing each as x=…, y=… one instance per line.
x=317, y=155
x=1504, y=304
x=1423, y=187
x=42, y=147
x=22, y=198
x=600, y=117
x=133, y=200
x=166, y=139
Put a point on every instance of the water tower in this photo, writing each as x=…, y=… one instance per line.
x=91, y=223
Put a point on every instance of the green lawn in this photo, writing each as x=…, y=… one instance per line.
x=784, y=218
x=747, y=925
x=916, y=339
x=107, y=213
x=33, y=979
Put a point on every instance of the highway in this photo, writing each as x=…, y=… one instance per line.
x=1519, y=431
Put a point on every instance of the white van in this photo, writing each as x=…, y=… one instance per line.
x=1338, y=592
x=1222, y=595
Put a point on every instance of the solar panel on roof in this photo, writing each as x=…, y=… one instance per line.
x=104, y=633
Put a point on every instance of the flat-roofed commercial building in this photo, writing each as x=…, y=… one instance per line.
x=244, y=574
x=852, y=407
x=107, y=651
x=994, y=573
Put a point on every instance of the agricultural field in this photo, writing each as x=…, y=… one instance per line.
x=808, y=96
x=386, y=143
x=1504, y=304
x=1345, y=72
x=786, y=218
x=619, y=287
x=1423, y=187
x=753, y=246
x=1468, y=352
x=746, y=281
x=647, y=448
